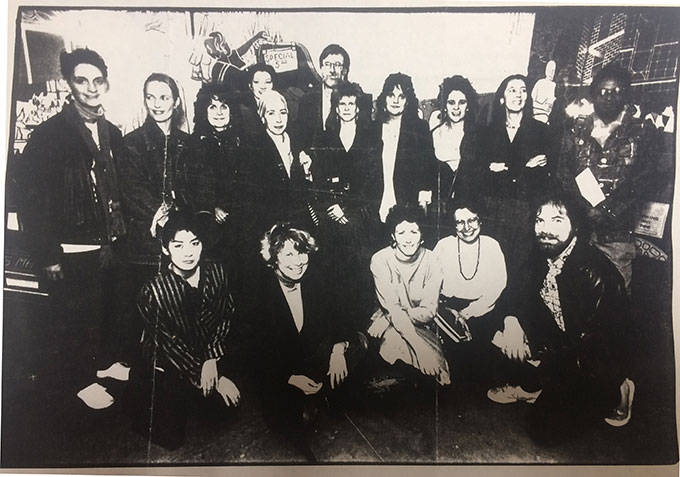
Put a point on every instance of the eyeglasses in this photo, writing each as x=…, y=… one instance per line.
x=473, y=222
x=337, y=65
x=604, y=92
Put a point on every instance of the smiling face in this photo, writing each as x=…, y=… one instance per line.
x=218, y=114
x=333, y=70
x=468, y=225
x=456, y=106
x=159, y=101
x=276, y=116
x=347, y=108
x=553, y=229
x=395, y=102
x=407, y=238
x=609, y=100
x=290, y=263
x=515, y=95
x=262, y=82
x=184, y=251
x=87, y=85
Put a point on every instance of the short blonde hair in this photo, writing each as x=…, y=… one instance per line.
x=275, y=238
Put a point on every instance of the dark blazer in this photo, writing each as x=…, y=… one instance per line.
x=596, y=312
x=57, y=201
x=271, y=196
x=415, y=167
x=309, y=120
x=282, y=351
x=518, y=182
x=154, y=169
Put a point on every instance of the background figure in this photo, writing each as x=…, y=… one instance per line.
x=187, y=311
x=305, y=349
x=213, y=169
x=405, y=173
x=573, y=334
x=276, y=173
x=455, y=140
x=315, y=106
x=514, y=167
x=474, y=277
x=614, y=159
x=543, y=93
x=408, y=278
x=261, y=78
x=72, y=218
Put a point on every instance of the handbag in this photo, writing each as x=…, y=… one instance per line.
x=448, y=321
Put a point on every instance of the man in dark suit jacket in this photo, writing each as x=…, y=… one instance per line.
x=315, y=106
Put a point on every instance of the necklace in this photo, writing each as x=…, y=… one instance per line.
x=460, y=262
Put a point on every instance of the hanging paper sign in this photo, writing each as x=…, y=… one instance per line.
x=653, y=219
x=281, y=59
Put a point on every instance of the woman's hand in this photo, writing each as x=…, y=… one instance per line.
x=159, y=218
x=220, y=215
x=498, y=167
x=427, y=360
x=306, y=163
x=228, y=391
x=337, y=367
x=537, y=161
x=304, y=384
x=209, y=376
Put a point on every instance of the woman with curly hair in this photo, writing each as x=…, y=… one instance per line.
x=305, y=352
x=454, y=137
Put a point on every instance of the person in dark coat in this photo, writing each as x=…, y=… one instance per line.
x=404, y=172
x=305, y=349
x=154, y=171
x=515, y=166
x=572, y=336
x=261, y=78
x=275, y=173
x=187, y=312
x=73, y=223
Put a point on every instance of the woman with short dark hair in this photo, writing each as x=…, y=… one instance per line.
x=407, y=279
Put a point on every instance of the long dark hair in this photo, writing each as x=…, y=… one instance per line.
x=498, y=112
x=462, y=84
x=217, y=92
x=406, y=85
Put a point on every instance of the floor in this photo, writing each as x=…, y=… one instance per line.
x=44, y=427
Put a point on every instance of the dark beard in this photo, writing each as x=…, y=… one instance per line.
x=552, y=250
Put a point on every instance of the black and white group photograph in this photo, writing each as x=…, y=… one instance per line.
x=339, y=235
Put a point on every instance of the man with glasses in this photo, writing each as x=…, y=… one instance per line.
x=315, y=106
x=607, y=160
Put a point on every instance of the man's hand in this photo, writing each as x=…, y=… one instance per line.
x=209, y=376
x=337, y=368
x=498, y=167
x=515, y=344
x=304, y=384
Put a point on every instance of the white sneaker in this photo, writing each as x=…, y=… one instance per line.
x=116, y=371
x=508, y=394
x=620, y=418
x=95, y=396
